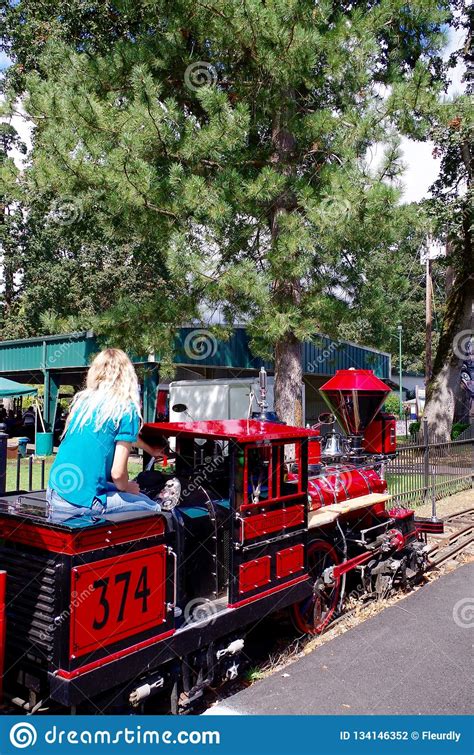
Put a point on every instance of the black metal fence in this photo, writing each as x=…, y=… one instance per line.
x=21, y=473
x=428, y=468
x=29, y=474
x=425, y=469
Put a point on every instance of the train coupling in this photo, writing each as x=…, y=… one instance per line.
x=145, y=690
x=234, y=647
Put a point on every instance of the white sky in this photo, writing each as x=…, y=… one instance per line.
x=422, y=168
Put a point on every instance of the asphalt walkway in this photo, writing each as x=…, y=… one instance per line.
x=415, y=657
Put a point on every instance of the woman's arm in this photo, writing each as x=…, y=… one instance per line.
x=119, y=471
x=156, y=451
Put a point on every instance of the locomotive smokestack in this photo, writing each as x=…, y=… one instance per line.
x=355, y=397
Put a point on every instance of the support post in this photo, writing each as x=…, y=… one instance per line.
x=426, y=459
x=3, y=462
x=150, y=391
x=51, y=392
x=429, y=320
x=433, y=502
x=3, y=634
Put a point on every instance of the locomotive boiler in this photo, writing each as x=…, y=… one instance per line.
x=110, y=613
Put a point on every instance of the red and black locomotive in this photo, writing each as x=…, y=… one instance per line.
x=102, y=614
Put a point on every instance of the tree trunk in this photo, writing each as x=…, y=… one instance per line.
x=287, y=354
x=444, y=386
x=458, y=324
x=288, y=380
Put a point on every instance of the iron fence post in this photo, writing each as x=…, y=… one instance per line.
x=433, y=501
x=3, y=462
x=426, y=460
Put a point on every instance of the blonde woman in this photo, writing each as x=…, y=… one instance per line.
x=89, y=474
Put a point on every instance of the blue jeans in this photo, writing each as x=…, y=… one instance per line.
x=117, y=502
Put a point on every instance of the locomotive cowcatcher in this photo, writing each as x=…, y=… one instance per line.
x=103, y=614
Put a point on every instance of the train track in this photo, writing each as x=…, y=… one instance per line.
x=458, y=535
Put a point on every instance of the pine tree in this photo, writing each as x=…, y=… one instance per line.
x=232, y=138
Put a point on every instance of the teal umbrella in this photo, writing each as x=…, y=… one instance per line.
x=9, y=388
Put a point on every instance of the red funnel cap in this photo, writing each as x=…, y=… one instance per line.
x=355, y=397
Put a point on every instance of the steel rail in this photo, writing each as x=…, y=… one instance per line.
x=456, y=541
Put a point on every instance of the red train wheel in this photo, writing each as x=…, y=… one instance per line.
x=313, y=614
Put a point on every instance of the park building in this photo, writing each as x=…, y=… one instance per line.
x=56, y=361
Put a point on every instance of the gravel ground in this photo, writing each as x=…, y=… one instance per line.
x=449, y=505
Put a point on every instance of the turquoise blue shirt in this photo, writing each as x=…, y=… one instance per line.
x=82, y=467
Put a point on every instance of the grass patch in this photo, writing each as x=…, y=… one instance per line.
x=134, y=467
x=398, y=483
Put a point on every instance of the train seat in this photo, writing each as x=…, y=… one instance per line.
x=197, y=509
x=34, y=507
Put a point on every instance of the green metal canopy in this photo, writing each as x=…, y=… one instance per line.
x=9, y=388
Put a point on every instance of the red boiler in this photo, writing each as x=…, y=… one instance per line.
x=341, y=483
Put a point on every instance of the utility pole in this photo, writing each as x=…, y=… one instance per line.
x=400, y=393
x=428, y=319
x=431, y=250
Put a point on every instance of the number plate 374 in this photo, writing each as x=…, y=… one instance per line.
x=116, y=598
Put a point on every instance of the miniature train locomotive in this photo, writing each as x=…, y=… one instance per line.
x=102, y=614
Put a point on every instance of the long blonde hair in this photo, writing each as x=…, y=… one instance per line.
x=111, y=392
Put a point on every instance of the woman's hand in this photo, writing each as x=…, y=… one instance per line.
x=133, y=487
x=158, y=451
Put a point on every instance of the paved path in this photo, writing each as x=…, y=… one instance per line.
x=412, y=658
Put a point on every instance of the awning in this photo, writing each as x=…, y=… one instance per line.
x=9, y=388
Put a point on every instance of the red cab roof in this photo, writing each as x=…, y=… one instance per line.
x=243, y=430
